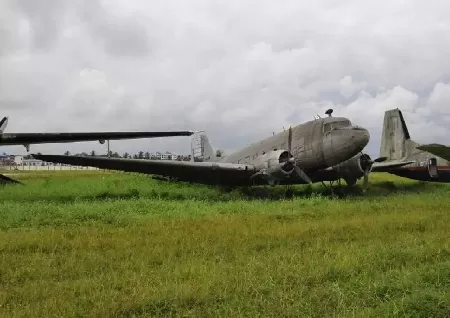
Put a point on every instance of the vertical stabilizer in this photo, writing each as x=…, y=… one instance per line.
x=3, y=124
x=394, y=136
x=201, y=149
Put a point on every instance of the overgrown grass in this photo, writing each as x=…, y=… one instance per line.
x=108, y=244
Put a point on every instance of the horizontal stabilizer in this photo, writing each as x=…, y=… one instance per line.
x=437, y=150
x=386, y=166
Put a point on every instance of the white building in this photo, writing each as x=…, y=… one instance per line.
x=164, y=156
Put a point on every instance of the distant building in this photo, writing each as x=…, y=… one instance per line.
x=164, y=156
x=18, y=160
x=35, y=162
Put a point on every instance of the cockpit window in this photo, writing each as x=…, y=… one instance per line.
x=341, y=124
x=336, y=125
x=327, y=127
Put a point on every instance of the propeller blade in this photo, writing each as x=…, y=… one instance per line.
x=3, y=124
x=290, y=140
x=302, y=174
x=381, y=159
x=366, y=181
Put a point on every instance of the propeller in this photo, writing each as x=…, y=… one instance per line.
x=366, y=165
x=287, y=163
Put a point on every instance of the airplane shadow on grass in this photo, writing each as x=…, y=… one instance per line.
x=377, y=189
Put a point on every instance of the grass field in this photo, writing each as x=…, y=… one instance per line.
x=79, y=244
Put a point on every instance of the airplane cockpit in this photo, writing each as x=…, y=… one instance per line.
x=332, y=123
x=336, y=123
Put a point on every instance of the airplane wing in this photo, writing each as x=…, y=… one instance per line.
x=200, y=172
x=388, y=165
x=42, y=138
x=437, y=150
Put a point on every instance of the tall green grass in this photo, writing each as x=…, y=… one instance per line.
x=108, y=244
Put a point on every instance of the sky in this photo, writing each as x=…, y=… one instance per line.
x=238, y=69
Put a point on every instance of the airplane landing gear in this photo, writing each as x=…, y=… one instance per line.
x=289, y=192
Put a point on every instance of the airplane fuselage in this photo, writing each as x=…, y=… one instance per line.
x=427, y=166
x=316, y=144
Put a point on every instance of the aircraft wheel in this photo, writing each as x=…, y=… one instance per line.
x=350, y=182
x=289, y=193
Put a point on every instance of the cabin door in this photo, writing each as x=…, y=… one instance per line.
x=432, y=168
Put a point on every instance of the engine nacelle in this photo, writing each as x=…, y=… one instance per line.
x=274, y=165
x=354, y=168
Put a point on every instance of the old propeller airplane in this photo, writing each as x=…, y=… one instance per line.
x=320, y=150
x=430, y=162
x=26, y=139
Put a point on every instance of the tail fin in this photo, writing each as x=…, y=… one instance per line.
x=201, y=149
x=395, y=136
x=3, y=124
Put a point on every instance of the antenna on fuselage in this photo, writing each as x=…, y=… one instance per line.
x=329, y=112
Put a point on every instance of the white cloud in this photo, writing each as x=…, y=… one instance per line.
x=439, y=99
x=238, y=69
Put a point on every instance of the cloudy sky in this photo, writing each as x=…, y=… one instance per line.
x=238, y=69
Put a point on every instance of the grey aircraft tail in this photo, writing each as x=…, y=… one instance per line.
x=396, y=143
x=201, y=149
x=3, y=124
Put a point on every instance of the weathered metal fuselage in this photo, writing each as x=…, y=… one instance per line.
x=397, y=145
x=427, y=167
x=315, y=145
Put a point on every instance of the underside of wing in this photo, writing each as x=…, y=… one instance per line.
x=200, y=172
x=437, y=150
x=41, y=138
x=389, y=165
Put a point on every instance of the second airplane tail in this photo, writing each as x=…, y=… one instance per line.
x=395, y=139
x=201, y=149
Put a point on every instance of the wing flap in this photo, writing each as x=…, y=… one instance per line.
x=201, y=172
x=437, y=150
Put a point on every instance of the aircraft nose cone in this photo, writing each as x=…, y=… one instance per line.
x=342, y=144
x=361, y=137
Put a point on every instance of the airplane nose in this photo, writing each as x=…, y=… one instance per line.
x=360, y=136
x=342, y=144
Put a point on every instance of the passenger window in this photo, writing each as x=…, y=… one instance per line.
x=327, y=127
